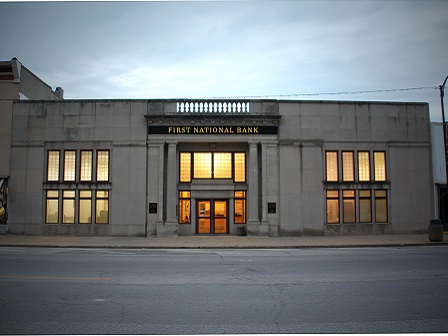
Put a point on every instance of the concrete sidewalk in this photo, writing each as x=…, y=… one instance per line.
x=214, y=242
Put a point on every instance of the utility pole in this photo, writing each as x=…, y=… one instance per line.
x=442, y=93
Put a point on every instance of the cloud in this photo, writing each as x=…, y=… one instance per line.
x=207, y=49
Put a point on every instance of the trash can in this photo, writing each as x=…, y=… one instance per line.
x=435, y=230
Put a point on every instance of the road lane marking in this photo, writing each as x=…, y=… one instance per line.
x=51, y=277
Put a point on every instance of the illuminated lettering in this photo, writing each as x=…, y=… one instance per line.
x=178, y=130
x=247, y=130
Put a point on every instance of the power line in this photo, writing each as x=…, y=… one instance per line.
x=331, y=93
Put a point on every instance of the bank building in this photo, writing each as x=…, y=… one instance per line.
x=175, y=167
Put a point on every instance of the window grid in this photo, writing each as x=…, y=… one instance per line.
x=333, y=206
x=76, y=206
x=184, y=207
x=381, y=206
x=68, y=207
x=240, y=207
x=85, y=207
x=69, y=166
x=358, y=205
x=348, y=168
x=365, y=206
x=102, y=207
x=331, y=161
x=202, y=163
x=86, y=166
x=348, y=204
x=212, y=165
x=364, y=166
x=52, y=207
x=185, y=167
x=240, y=167
x=53, y=166
x=102, y=163
x=222, y=165
x=379, y=161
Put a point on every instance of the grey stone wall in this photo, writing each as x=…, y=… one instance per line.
x=116, y=126
x=308, y=129
x=291, y=173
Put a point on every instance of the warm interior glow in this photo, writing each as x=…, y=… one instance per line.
x=332, y=206
x=380, y=166
x=68, y=207
x=185, y=167
x=52, y=215
x=222, y=165
x=69, y=165
x=86, y=166
x=102, y=166
x=53, y=166
x=202, y=165
x=184, y=207
x=102, y=207
x=240, y=167
x=363, y=166
x=85, y=206
x=365, y=206
x=347, y=166
x=332, y=166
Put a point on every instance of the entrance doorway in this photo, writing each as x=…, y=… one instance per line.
x=212, y=217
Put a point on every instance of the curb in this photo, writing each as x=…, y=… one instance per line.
x=278, y=247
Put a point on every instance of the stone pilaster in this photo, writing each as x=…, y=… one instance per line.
x=170, y=227
x=253, y=223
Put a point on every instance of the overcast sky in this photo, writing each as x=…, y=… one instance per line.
x=206, y=49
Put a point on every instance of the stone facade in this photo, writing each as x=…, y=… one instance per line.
x=285, y=145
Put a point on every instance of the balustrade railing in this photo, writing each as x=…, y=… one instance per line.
x=211, y=106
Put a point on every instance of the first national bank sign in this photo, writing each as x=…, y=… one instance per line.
x=236, y=130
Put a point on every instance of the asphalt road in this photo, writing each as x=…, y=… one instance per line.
x=106, y=291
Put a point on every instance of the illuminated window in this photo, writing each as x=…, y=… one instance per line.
x=381, y=206
x=53, y=166
x=86, y=166
x=184, y=207
x=52, y=211
x=185, y=167
x=102, y=171
x=212, y=165
x=102, y=207
x=85, y=206
x=69, y=165
x=348, y=204
x=68, y=207
x=240, y=167
x=240, y=207
x=379, y=161
x=332, y=206
x=202, y=165
x=331, y=160
x=348, y=169
x=365, y=206
x=222, y=165
x=77, y=206
x=364, y=166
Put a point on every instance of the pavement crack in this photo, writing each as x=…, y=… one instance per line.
x=122, y=310
x=282, y=305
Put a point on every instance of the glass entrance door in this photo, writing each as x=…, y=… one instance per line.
x=212, y=217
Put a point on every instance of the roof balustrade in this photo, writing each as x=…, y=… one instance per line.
x=212, y=106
